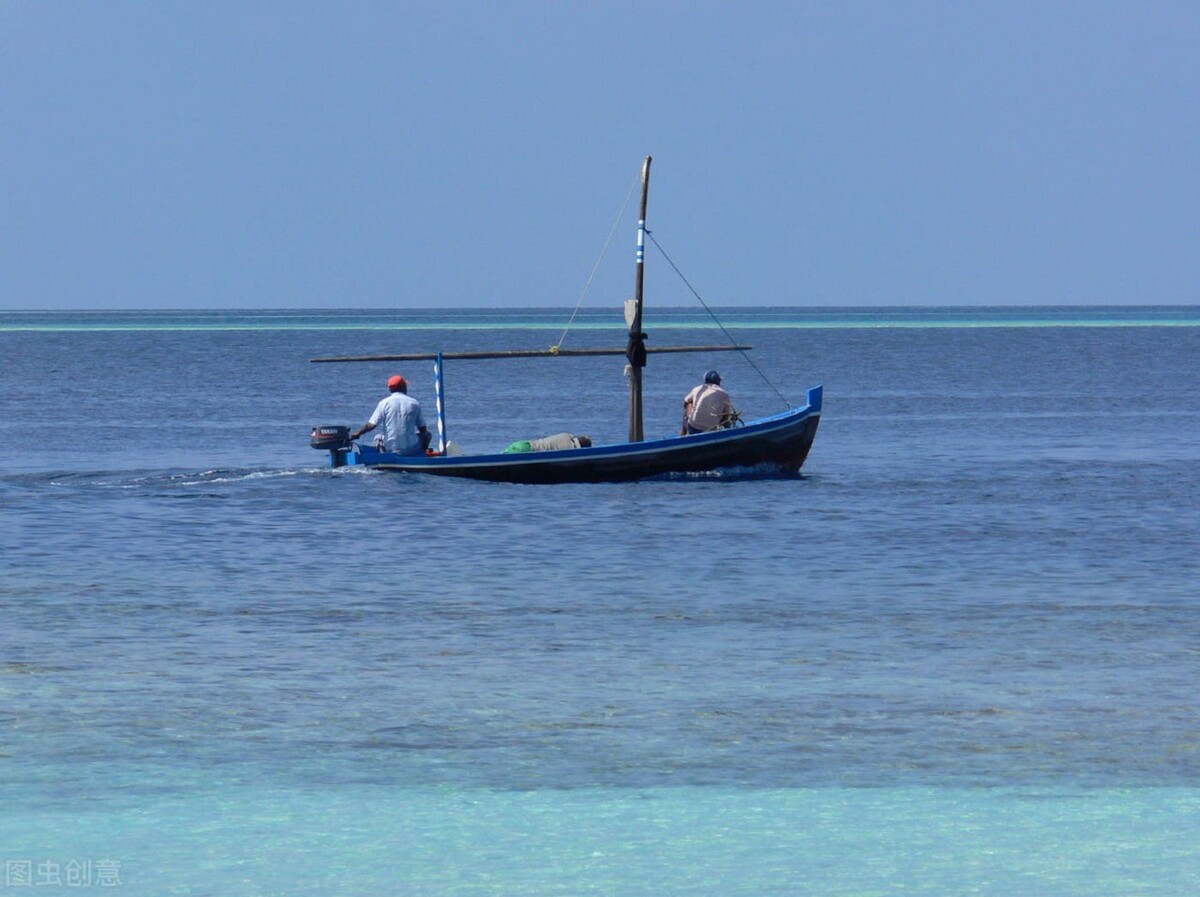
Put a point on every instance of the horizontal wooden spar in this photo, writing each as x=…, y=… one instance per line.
x=522, y=353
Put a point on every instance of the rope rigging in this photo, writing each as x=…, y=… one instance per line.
x=716, y=320
x=557, y=347
x=596, y=267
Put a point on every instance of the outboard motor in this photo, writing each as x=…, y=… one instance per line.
x=334, y=439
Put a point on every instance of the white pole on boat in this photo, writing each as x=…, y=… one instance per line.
x=441, y=404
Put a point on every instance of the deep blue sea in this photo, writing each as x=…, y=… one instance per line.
x=957, y=656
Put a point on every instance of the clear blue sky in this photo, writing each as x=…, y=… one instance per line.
x=404, y=154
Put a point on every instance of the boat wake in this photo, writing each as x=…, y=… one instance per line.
x=141, y=479
x=735, y=474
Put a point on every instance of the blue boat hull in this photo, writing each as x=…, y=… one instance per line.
x=781, y=442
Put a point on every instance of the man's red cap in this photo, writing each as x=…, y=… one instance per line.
x=397, y=382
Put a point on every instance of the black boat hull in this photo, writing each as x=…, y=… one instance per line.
x=781, y=443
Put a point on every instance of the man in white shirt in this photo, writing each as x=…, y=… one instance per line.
x=707, y=407
x=403, y=426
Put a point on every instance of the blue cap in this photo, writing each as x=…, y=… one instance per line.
x=712, y=377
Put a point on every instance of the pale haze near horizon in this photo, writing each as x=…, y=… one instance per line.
x=363, y=155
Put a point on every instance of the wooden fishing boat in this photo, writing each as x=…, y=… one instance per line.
x=776, y=444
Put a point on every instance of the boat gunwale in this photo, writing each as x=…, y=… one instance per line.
x=668, y=445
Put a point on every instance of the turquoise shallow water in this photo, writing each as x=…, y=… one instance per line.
x=603, y=318
x=640, y=842
x=956, y=656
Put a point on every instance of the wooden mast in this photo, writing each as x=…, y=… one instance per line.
x=635, y=352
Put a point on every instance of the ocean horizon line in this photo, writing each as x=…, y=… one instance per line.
x=518, y=309
x=602, y=318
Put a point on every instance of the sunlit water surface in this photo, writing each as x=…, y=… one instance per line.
x=956, y=656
